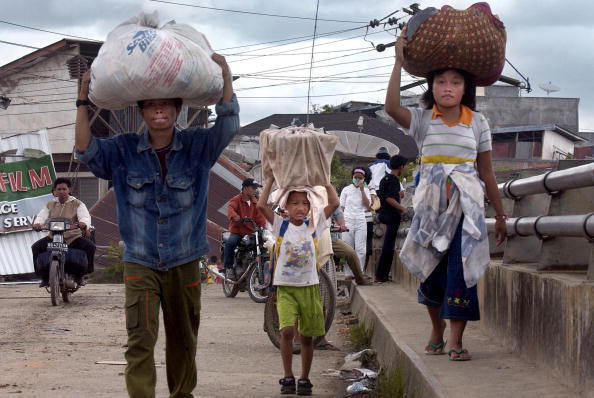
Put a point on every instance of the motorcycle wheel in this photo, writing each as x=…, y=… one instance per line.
x=54, y=282
x=259, y=296
x=230, y=289
x=271, y=322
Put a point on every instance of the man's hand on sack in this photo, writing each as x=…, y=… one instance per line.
x=222, y=62
x=236, y=219
x=84, y=85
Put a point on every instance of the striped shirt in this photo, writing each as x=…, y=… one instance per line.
x=449, y=143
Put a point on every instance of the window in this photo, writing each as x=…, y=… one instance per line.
x=86, y=189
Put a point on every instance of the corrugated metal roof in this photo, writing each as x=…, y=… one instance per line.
x=15, y=252
x=20, y=142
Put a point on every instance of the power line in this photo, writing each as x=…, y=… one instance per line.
x=323, y=95
x=298, y=38
x=19, y=44
x=41, y=89
x=337, y=81
x=288, y=51
x=281, y=77
x=281, y=68
x=289, y=82
x=39, y=95
x=46, y=102
x=343, y=73
x=311, y=61
x=11, y=131
x=287, y=54
x=47, y=31
x=307, y=81
x=284, y=69
x=35, y=113
x=252, y=13
x=319, y=45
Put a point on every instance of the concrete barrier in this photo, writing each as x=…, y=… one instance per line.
x=548, y=318
x=393, y=353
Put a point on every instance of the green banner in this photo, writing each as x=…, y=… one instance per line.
x=26, y=179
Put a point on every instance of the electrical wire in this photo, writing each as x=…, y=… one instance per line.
x=323, y=95
x=319, y=45
x=38, y=95
x=251, y=12
x=285, y=54
x=47, y=31
x=41, y=89
x=311, y=61
x=281, y=77
x=19, y=44
x=57, y=101
x=11, y=131
x=35, y=113
x=284, y=69
x=298, y=38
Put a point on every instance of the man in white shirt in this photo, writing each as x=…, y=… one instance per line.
x=64, y=205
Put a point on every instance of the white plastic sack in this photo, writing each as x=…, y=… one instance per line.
x=141, y=61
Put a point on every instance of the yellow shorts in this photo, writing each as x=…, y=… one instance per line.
x=303, y=304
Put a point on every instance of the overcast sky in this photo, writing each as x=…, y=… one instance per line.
x=548, y=40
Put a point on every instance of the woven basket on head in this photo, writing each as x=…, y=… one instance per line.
x=472, y=40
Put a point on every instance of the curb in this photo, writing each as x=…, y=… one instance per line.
x=392, y=352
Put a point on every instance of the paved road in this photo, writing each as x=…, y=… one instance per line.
x=50, y=351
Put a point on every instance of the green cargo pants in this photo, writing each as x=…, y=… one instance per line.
x=177, y=292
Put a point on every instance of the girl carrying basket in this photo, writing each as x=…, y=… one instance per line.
x=447, y=247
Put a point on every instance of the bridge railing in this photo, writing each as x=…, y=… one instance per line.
x=551, y=220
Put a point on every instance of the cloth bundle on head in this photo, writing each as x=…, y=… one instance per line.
x=297, y=156
x=141, y=61
x=472, y=40
x=318, y=200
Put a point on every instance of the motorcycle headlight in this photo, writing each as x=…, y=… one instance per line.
x=57, y=226
x=246, y=239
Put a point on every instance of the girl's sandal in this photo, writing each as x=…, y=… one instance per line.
x=435, y=348
x=459, y=355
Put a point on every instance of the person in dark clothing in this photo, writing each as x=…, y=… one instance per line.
x=389, y=214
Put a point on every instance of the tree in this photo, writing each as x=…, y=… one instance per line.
x=340, y=176
x=317, y=108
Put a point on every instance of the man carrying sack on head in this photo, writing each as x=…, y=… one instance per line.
x=160, y=178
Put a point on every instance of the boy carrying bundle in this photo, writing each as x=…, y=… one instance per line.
x=296, y=277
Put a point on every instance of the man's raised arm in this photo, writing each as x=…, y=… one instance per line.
x=82, y=130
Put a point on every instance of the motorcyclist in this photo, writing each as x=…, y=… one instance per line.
x=241, y=206
x=64, y=205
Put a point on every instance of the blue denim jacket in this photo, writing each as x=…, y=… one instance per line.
x=163, y=224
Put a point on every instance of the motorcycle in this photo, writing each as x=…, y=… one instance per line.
x=62, y=261
x=251, y=262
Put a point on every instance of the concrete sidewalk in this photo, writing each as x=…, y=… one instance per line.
x=401, y=331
